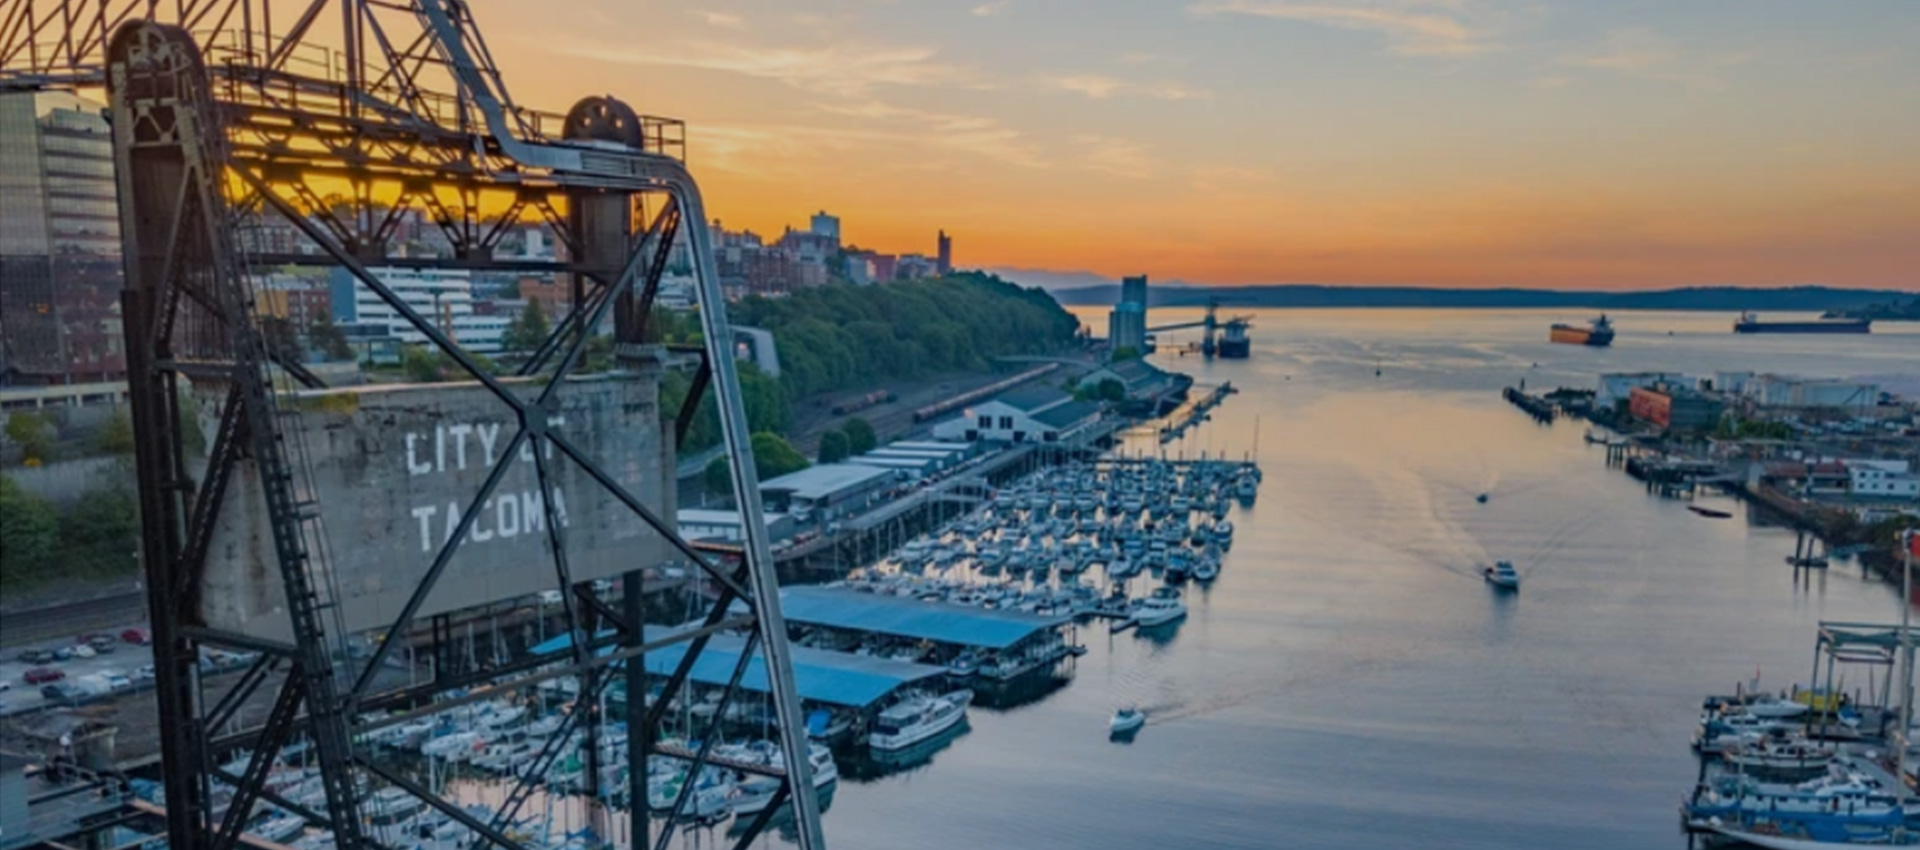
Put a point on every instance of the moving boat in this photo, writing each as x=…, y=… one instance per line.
x=918, y=718
x=1164, y=606
x=1126, y=720
x=1482, y=498
x=1502, y=575
x=1598, y=332
x=1710, y=513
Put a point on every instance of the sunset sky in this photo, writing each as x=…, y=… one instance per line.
x=1617, y=144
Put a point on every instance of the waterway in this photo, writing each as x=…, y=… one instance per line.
x=1350, y=681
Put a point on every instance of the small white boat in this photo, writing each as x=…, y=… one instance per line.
x=1503, y=576
x=1126, y=720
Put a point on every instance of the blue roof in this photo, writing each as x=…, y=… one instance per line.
x=822, y=676
x=911, y=618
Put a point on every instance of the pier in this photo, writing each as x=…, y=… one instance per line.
x=1193, y=414
x=1540, y=409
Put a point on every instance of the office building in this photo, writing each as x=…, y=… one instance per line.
x=60, y=273
x=443, y=296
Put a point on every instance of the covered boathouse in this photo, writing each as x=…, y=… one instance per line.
x=996, y=645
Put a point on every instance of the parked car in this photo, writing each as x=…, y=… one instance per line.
x=101, y=643
x=64, y=653
x=137, y=637
x=117, y=681
x=83, y=651
x=43, y=675
x=144, y=673
x=35, y=656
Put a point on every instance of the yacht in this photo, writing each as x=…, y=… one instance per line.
x=918, y=718
x=1503, y=576
x=1164, y=606
x=1781, y=752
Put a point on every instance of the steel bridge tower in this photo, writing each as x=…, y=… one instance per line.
x=234, y=117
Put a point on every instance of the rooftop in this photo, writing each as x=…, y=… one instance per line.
x=823, y=676
x=1069, y=414
x=911, y=618
x=1032, y=397
x=823, y=480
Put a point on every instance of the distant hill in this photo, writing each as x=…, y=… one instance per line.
x=1715, y=298
x=1055, y=281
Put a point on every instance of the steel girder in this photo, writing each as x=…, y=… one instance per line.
x=222, y=128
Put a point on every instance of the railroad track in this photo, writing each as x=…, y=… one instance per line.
x=48, y=623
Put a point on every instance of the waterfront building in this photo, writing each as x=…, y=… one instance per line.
x=1882, y=479
x=1133, y=290
x=1127, y=323
x=1615, y=387
x=1675, y=408
x=443, y=296
x=1769, y=390
x=1036, y=413
x=725, y=526
x=60, y=270
x=1142, y=379
x=827, y=491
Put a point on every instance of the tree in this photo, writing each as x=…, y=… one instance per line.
x=833, y=446
x=29, y=533
x=1126, y=352
x=421, y=366
x=773, y=456
x=1110, y=389
x=719, y=476
x=100, y=533
x=34, y=433
x=860, y=436
x=528, y=331
x=115, y=437
x=328, y=339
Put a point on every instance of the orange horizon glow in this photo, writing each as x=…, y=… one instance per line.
x=1390, y=142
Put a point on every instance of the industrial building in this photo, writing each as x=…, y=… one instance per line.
x=827, y=491
x=1675, y=408
x=1615, y=387
x=1030, y=414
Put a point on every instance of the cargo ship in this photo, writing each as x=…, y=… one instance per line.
x=1748, y=324
x=1597, y=332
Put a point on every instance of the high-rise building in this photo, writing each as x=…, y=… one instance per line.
x=946, y=253
x=60, y=273
x=827, y=226
x=1133, y=290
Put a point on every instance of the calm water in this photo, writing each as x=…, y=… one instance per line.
x=1349, y=681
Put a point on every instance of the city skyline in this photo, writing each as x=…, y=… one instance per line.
x=1390, y=142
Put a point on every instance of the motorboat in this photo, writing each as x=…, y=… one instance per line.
x=1841, y=796
x=1781, y=752
x=963, y=666
x=1775, y=707
x=1206, y=568
x=918, y=718
x=1126, y=720
x=1482, y=498
x=1164, y=606
x=1792, y=835
x=1502, y=575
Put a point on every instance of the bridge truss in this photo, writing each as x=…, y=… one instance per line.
x=337, y=118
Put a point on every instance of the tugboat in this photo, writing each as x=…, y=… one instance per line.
x=1597, y=333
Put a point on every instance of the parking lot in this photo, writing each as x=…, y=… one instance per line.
x=19, y=697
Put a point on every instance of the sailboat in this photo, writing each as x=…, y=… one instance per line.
x=1789, y=835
